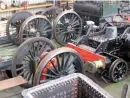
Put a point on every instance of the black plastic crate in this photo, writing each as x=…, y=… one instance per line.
x=71, y=86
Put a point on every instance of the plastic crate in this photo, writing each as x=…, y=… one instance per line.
x=71, y=86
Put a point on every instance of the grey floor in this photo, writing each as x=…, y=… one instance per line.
x=11, y=93
x=115, y=89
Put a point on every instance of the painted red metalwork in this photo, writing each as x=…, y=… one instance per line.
x=49, y=66
x=87, y=55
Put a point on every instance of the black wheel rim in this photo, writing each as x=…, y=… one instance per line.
x=36, y=27
x=14, y=24
x=14, y=29
x=68, y=28
x=28, y=62
x=66, y=63
x=119, y=71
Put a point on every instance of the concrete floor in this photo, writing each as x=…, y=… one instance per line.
x=11, y=93
x=115, y=89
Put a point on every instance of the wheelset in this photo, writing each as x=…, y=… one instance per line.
x=27, y=57
x=58, y=63
x=35, y=26
x=67, y=27
x=118, y=70
x=13, y=25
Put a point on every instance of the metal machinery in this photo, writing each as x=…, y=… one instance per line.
x=23, y=60
x=104, y=53
x=19, y=52
x=73, y=21
x=37, y=61
x=98, y=52
x=23, y=25
x=103, y=50
x=71, y=24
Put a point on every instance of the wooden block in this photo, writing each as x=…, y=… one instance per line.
x=5, y=84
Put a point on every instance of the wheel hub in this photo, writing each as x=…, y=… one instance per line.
x=70, y=29
x=33, y=30
x=37, y=34
x=120, y=72
x=67, y=20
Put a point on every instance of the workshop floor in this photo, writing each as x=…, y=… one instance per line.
x=115, y=89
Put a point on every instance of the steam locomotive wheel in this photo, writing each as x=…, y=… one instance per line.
x=35, y=26
x=67, y=27
x=118, y=70
x=14, y=23
x=58, y=63
x=27, y=57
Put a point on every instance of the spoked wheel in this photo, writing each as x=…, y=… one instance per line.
x=14, y=23
x=118, y=70
x=35, y=26
x=126, y=33
x=27, y=57
x=51, y=13
x=67, y=27
x=58, y=63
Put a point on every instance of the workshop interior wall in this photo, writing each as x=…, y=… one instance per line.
x=9, y=2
